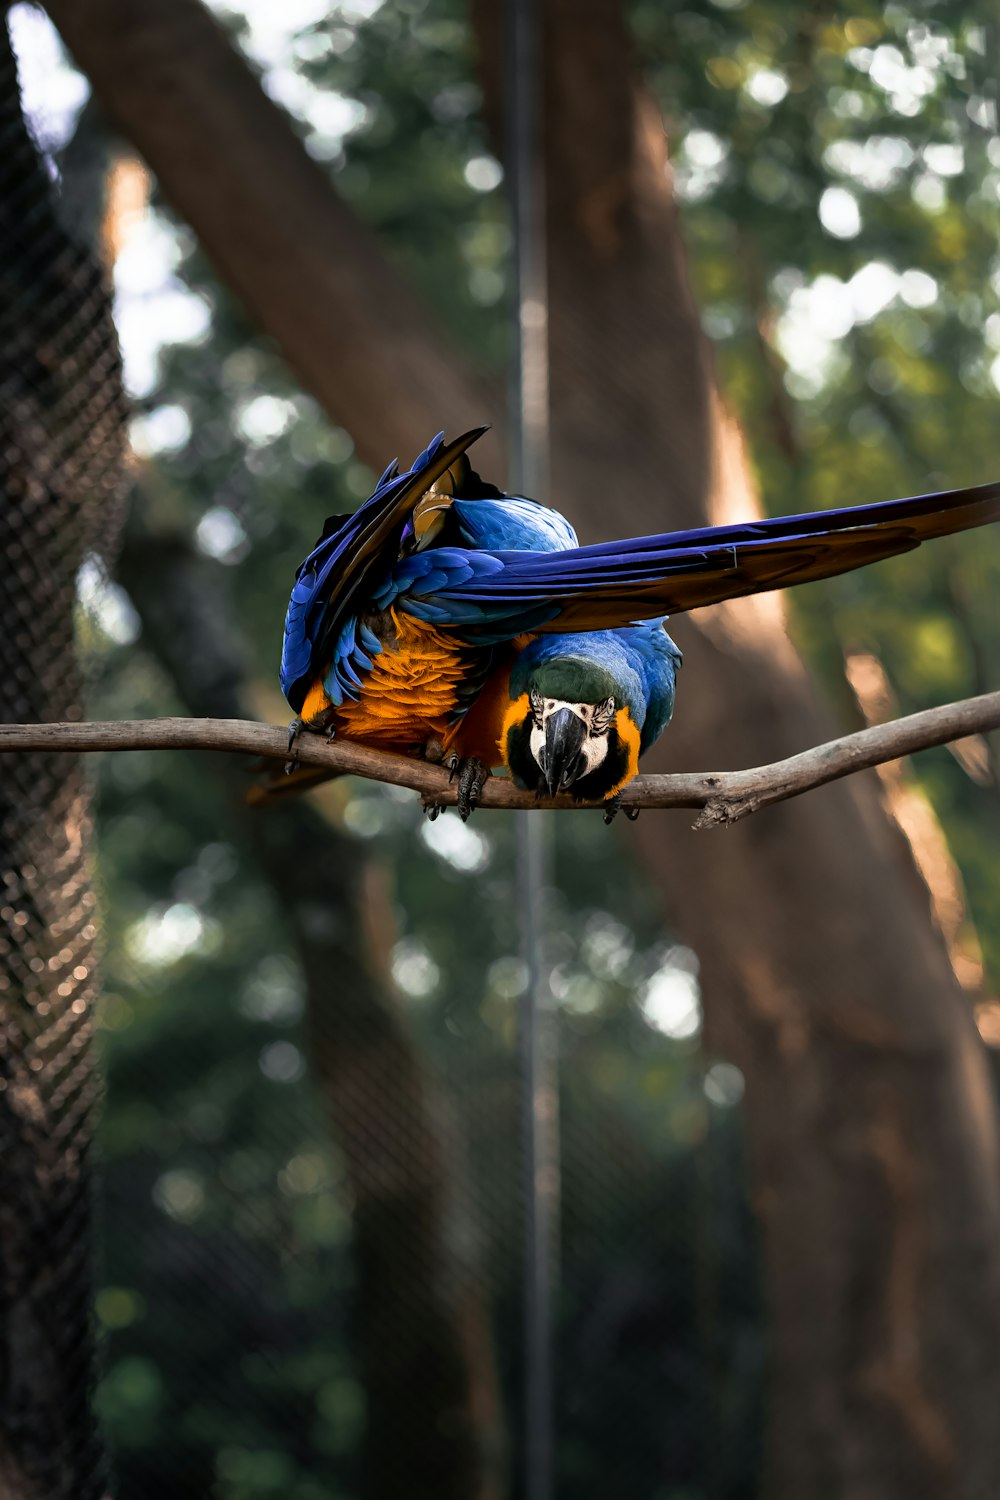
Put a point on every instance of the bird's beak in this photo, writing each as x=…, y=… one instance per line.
x=565, y=733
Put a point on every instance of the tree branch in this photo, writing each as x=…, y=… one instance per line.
x=723, y=796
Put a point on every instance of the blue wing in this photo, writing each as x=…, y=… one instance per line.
x=495, y=595
x=328, y=585
x=510, y=523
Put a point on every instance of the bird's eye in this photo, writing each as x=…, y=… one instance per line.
x=603, y=715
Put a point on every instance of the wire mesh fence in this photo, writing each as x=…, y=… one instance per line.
x=61, y=481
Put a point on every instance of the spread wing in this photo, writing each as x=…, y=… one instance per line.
x=492, y=595
x=328, y=585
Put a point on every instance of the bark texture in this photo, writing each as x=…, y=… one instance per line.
x=872, y=1125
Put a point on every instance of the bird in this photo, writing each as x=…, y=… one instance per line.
x=447, y=619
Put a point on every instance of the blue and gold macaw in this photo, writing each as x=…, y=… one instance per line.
x=447, y=619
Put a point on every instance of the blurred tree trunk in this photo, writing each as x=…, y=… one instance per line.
x=61, y=478
x=872, y=1125
x=433, y=1421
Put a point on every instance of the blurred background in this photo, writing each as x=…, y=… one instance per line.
x=775, y=281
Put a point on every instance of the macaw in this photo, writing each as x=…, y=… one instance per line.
x=447, y=619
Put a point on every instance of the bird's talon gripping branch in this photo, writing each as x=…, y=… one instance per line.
x=614, y=806
x=325, y=730
x=295, y=728
x=473, y=775
x=432, y=811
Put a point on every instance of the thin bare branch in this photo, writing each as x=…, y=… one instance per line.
x=723, y=796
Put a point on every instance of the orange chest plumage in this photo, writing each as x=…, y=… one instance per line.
x=410, y=695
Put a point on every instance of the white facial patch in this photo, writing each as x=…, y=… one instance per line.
x=593, y=751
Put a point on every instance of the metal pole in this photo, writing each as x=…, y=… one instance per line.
x=529, y=392
x=541, y=1167
x=529, y=423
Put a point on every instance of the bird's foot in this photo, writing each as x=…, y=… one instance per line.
x=614, y=806
x=473, y=775
x=298, y=727
x=295, y=728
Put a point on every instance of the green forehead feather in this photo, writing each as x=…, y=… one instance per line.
x=574, y=680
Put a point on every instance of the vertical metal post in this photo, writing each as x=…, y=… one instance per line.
x=541, y=1166
x=529, y=423
x=529, y=391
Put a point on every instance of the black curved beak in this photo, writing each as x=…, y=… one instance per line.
x=565, y=733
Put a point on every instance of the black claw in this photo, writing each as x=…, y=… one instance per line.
x=454, y=765
x=473, y=775
x=295, y=728
x=299, y=727
x=432, y=811
x=614, y=806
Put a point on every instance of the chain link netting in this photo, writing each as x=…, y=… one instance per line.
x=61, y=487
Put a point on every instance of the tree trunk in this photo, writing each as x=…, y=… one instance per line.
x=61, y=450
x=873, y=1131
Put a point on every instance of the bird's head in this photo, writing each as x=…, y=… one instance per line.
x=571, y=732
